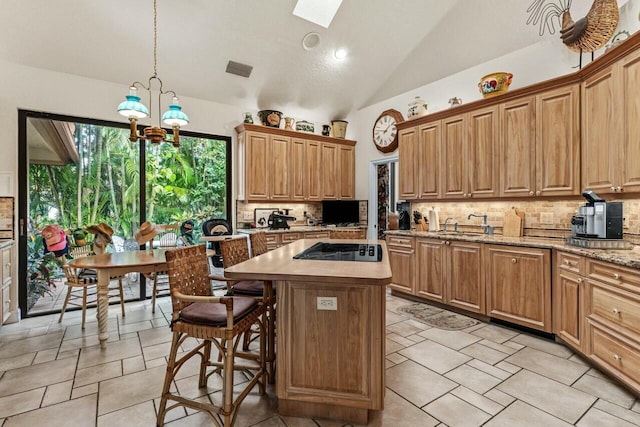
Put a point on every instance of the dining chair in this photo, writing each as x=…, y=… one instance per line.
x=235, y=251
x=166, y=238
x=83, y=284
x=258, y=243
x=220, y=321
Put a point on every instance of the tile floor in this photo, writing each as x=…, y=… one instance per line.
x=55, y=375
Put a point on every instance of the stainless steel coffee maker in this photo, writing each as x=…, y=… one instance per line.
x=597, y=219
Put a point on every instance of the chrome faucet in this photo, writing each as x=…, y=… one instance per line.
x=455, y=225
x=486, y=228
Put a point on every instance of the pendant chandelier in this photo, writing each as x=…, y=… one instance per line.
x=133, y=109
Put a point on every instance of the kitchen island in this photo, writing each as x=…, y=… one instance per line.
x=330, y=330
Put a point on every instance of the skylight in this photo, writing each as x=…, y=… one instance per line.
x=320, y=12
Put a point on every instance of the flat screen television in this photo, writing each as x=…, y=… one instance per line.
x=340, y=212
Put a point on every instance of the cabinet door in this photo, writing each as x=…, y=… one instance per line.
x=630, y=148
x=454, y=158
x=347, y=164
x=558, y=142
x=312, y=182
x=519, y=285
x=257, y=166
x=280, y=172
x=329, y=164
x=408, y=163
x=601, y=133
x=465, y=284
x=517, y=148
x=429, y=160
x=482, y=150
x=298, y=169
x=568, y=291
x=401, y=251
x=430, y=265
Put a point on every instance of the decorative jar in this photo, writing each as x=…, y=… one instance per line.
x=304, y=126
x=339, y=128
x=248, y=118
x=270, y=118
x=417, y=108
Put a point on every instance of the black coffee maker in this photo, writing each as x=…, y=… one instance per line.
x=404, y=217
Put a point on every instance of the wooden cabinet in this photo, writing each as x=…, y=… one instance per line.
x=610, y=113
x=401, y=250
x=5, y=274
x=450, y=272
x=305, y=170
x=518, y=282
x=408, y=163
x=483, y=144
x=267, y=167
x=613, y=320
x=428, y=161
x=273, y=241
x=316, y=235
x=281, y=165
x=454, y=159
x=517, y=147
x=569, y=299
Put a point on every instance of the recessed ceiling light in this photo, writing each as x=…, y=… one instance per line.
x=311, y=41
x=340, y=53
x=318, y=12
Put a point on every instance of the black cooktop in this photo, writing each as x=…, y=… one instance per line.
x=342, y=252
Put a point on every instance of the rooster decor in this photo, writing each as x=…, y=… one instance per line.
x=585, y=35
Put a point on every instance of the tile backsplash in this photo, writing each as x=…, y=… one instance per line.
x=6, y=217
x=544, y=218
x=245, y=211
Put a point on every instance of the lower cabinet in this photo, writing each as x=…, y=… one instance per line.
x=450, y=272
x=5, y=280
x=569, y=299
x=401, y=252
x=613, y=320
x=518, y=281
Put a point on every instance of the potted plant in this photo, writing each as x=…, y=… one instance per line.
x=42, y=269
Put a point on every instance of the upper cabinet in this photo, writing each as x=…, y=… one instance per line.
x=280, y=165
x=610, y=132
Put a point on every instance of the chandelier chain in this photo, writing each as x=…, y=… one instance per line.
x=155, y=38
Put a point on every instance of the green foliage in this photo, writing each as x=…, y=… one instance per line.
x=42, y=269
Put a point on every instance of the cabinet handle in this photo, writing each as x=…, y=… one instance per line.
x=531, y=193
x=566, y=261
x=617, y=358
x=538, y=193
x=513, y=260
x=616, y=276
x=7, y=265
x=618, y=188
x=615, y=311
x=444, y=243
x=579, y=280
x=613, y=188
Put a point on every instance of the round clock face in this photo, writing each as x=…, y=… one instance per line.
x=385, y=134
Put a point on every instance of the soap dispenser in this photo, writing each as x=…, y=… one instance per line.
x=434, y=220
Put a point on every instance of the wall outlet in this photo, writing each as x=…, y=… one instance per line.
x=625, y=223
x=327, y=303
x=247, y=215
x=546, y=218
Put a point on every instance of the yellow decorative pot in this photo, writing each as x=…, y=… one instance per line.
x=494, y=84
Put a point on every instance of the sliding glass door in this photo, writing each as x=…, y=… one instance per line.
x=77, y=172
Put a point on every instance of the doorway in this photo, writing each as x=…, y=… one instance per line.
x=383, y=193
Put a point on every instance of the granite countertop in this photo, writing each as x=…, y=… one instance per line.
x=625, y=257
x=295, y=229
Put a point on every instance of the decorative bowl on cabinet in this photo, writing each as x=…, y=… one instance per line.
x=304, y=126
x=495, y=84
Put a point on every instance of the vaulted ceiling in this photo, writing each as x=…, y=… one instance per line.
x=394, y=46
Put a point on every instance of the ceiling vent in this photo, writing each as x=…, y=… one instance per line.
x=239, y=69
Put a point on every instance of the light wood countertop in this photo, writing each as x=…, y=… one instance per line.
x=280, y=265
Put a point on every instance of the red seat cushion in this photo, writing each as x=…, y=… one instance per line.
x=249, y=287
x=214, y=314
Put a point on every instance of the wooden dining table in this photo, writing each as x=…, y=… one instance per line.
x=118, y=264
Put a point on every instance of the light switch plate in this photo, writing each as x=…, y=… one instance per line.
x=248, y=215
x=327, y=303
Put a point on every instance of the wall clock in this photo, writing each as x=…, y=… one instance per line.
x=385, y=134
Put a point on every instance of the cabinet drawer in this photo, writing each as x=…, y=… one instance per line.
x=400, y=241
x=613, y=274
x=6, y=265
x=621, y=308
x=273, y=241
x=6, y=303
x=316, y=235
x=570, y=262
x=620, y=356
x=287, y=238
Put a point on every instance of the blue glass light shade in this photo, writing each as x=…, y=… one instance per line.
x=175, y=116
x=132, y=107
